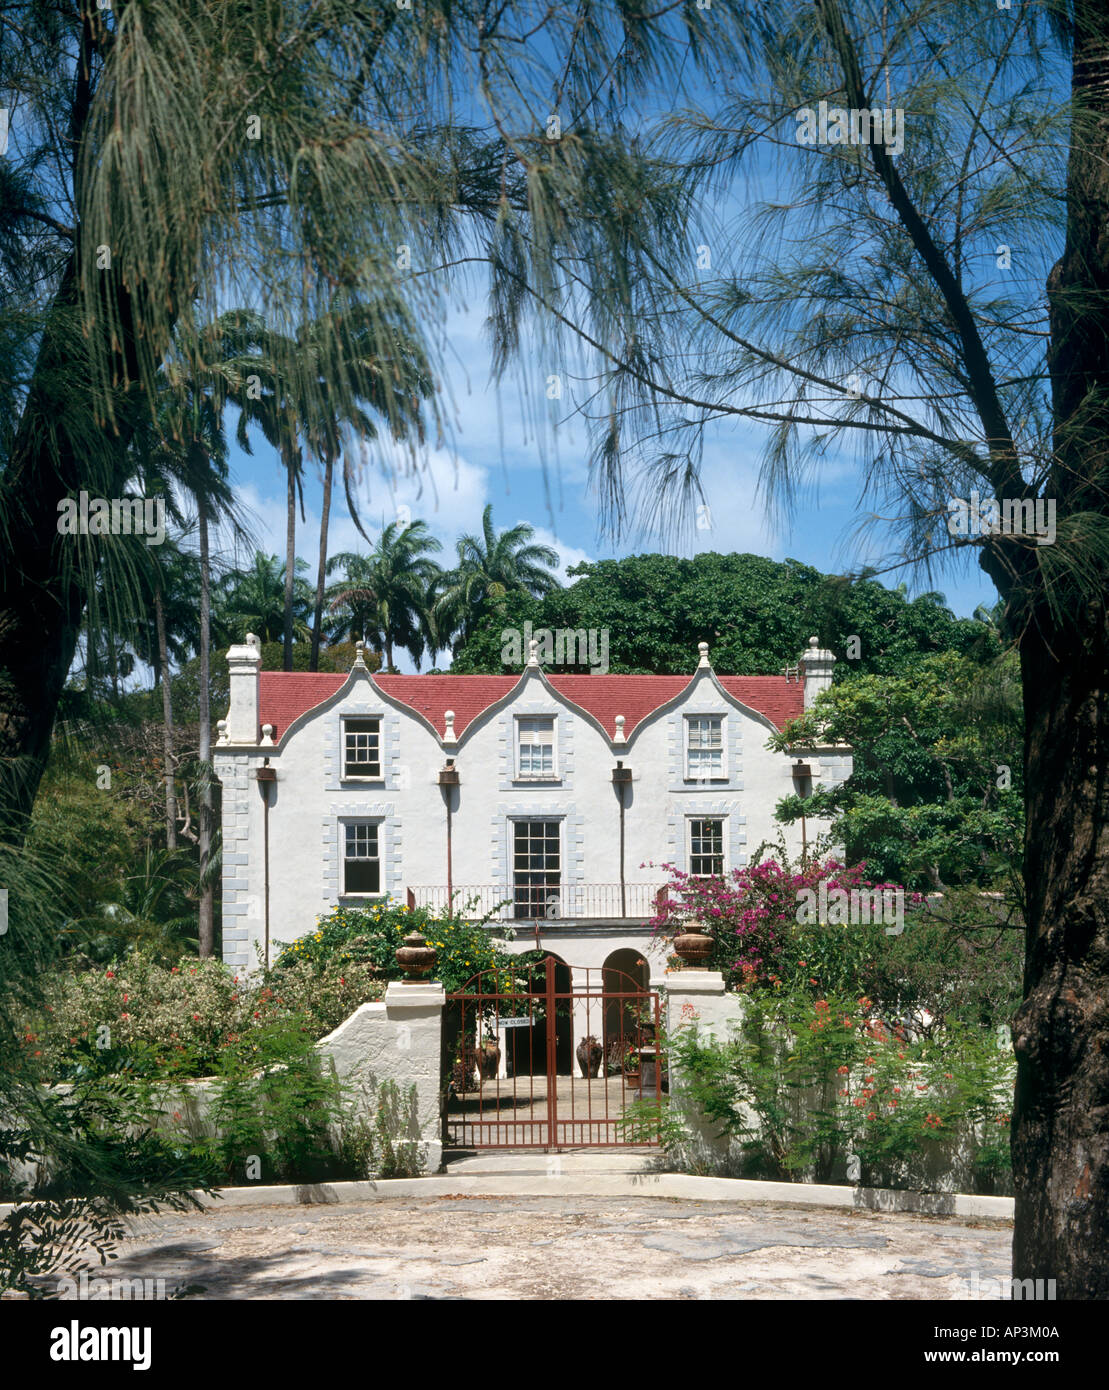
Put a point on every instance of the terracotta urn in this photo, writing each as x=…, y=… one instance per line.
x=415, y=957
x=490, y=1056
x=694, y=946
x=589, y=1053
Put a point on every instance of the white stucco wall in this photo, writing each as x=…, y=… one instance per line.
x=309, y=800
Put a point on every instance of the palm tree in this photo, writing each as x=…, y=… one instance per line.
x=385, y=594
x=253, y=600
x=373, y=351
x=490, y=567
x=189, y=449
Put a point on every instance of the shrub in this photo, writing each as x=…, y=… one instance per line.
x=802, y=1083
x=752, y=916
x=148, y=1019
x=372, y=935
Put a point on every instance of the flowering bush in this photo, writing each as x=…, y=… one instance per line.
x=141, y=1016
x=804, y=1082
x=752, y=915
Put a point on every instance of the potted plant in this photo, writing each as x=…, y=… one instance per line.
x=631, y=1065
x=589, y=1053
x=614, y=1062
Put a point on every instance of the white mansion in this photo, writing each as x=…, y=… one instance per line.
x=553, y=799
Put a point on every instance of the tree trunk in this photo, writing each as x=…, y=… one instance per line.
x=1061, y=1032
x=290, y=561
x=317, y=620
x=167, y=720
x=204, y=826
x=41, y=599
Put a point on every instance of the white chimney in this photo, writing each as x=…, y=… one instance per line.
x=244, y=663
x=816, y=670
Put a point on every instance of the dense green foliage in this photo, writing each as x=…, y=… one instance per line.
x=756, y=614
x=936, y=795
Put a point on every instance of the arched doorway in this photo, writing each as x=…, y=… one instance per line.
x=536, y=1061
x=624, y=970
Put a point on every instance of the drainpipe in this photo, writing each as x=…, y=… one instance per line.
x=265, y=775
x=448, y=780
x=802, y=781
x=621, y=777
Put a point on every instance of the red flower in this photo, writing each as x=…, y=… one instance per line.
x=196, y=1018
x=109, y=974
x=871, y=1115
x=842, y=1071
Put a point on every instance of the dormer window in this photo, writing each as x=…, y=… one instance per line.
x=362, y=749
x=535, y=749
x=704, y=747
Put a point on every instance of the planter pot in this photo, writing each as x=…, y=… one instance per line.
x=490, y=1061
x=589, y=1053
x=633, y=1080
x=694, y=947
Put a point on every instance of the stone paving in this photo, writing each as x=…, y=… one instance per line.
x=484, y=1247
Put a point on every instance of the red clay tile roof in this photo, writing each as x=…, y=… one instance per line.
x=284, y=695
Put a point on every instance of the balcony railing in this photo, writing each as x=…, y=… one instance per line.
x=528, y=903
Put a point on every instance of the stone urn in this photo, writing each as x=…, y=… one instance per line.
x=694, y=946
x=589, y=1053
x=415, y=957
x=490, y=1058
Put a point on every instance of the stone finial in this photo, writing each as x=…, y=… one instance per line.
x=359, y=648
x=448, y=722
x=253, y=641
x=533, y=652
x=620, y=728
x=703, y=648
x=267, y=736
x=221, y=732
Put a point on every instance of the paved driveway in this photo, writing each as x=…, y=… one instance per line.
x=521, y=1247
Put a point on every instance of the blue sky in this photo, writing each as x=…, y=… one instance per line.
x=494, y=456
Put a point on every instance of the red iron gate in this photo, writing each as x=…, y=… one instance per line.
x=521, y=1047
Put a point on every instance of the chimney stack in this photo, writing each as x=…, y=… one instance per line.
x=244, y=662
x=816, y=664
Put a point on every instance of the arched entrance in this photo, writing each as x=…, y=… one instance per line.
x=511, y=1078
x=623, y=970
